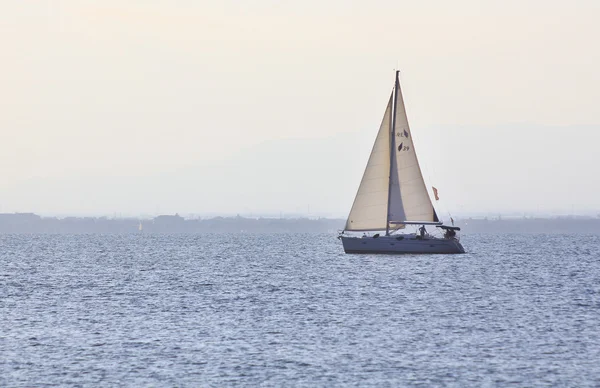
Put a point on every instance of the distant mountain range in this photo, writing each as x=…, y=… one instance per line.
x=474, y=172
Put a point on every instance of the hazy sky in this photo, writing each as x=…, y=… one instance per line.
x=143, y=107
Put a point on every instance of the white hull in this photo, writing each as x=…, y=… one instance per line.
x=397, y=244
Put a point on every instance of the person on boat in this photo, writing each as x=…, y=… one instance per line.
x=450, y=234
x=422, y=231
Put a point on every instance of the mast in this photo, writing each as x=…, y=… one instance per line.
x=392, y=140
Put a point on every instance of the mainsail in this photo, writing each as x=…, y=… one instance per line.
x=392, y=190
x=413, y=202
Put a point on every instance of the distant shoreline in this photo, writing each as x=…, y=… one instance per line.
x=29, y=223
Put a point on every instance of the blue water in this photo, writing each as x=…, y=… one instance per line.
x=293, y=310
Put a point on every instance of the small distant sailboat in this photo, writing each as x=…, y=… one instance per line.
x=140, y=227
x=393, y=194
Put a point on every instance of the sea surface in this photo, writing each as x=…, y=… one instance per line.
x=293, y=310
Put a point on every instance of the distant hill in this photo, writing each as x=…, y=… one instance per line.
x=562, y=225
x=28, y=223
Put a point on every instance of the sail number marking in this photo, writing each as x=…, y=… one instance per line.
x=402, y=147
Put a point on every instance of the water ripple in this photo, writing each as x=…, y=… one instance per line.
x=293, y=310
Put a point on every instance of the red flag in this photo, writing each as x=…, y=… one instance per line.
x=435, y=193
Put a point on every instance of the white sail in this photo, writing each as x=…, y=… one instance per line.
x=369, y=211
x=409, y=199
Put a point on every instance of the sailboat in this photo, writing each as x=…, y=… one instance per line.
x=392, y=194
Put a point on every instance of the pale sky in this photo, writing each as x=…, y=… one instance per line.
x=255, y=107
